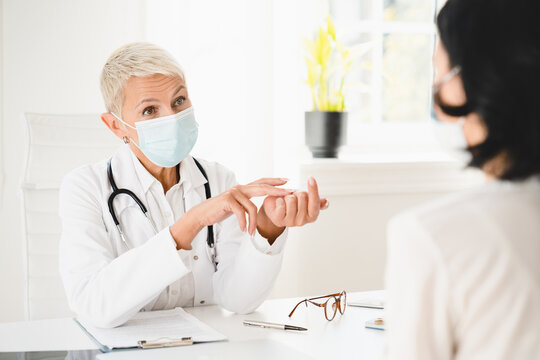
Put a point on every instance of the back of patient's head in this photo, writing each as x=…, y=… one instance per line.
x=139, y=59
x=497, y=45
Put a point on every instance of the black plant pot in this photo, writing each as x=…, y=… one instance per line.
x=325, y=132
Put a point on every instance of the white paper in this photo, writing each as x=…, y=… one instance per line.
x=369, y=300
x=152, y=325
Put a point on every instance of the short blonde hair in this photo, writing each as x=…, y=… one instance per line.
x=139, y=59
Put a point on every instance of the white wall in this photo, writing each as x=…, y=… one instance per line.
x=227, y=56
x=345, y=249
x=53, y=52
x=244, y=63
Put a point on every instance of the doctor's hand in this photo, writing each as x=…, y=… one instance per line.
x=235, y=201
x=297, y=209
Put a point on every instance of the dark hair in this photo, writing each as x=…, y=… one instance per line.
x=497, y=45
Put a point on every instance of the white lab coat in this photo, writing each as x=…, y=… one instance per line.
x=107, y=284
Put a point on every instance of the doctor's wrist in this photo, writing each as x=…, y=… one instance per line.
x=267, y=229
x=184, y=231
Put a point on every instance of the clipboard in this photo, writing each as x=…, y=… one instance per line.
x=151, y=330
x=141, y=344
x=165, y=342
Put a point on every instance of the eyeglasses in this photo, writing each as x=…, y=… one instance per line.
x=334, y=303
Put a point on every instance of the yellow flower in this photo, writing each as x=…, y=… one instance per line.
x=328, y=63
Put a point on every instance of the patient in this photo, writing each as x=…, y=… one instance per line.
x=463, y=273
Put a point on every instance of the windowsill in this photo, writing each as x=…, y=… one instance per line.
x=413, y=137
x=386, y=143
x=350, y=156
x=376, y=173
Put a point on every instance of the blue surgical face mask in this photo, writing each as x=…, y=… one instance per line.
x=451, y=138
x=167, y=140
x=450, y=135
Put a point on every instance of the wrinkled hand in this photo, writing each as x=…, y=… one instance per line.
x=235, y=201
x=296, y=209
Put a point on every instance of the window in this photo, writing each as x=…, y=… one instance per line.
x=401, y=34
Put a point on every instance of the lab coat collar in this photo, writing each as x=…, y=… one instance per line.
x=145, y=178
x=190, y=176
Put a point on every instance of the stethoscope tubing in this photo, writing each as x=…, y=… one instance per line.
x=117, y=191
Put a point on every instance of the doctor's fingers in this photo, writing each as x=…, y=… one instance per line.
x=291, y=203
x=314, y=201
x=325, y=204
x=302, y=216
x=262, y=190
x=270, y=181
x=248, y=206
x=302, y=212
x=278, y=217
x=238, y=210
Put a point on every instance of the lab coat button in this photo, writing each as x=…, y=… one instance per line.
x=174, y=292
x=195, y=257
x=202, y=302
x=143, y=310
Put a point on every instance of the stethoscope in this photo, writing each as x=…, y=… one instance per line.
x=116, y=191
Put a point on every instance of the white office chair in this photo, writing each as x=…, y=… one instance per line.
x=56, y=144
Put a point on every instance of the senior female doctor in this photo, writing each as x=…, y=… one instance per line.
x=152, y=227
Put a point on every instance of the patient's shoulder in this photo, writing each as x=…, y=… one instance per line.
x=449, y=210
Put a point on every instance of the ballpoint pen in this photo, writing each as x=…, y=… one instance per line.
x=264, y=324
x=366, y=305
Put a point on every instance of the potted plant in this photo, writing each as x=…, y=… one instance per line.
x=328, y=63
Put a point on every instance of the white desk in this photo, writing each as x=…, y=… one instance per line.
x=343, y=338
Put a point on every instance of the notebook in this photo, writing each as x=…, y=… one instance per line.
x=153, y=329
x=373, y=301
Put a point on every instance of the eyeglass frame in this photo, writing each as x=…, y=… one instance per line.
x=336, y=296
